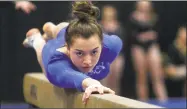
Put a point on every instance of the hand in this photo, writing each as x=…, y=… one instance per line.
x=25, y=6
x=181, y=71
x=171, y=70
x=95, y=88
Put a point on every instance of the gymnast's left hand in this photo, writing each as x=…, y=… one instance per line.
x=95, y=88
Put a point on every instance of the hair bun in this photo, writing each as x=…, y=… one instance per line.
x=85, y=10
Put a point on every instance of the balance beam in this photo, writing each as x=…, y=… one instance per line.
x=39, y=92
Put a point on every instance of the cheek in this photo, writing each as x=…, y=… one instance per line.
x=96, y=58
x=75, y=60
x=183, y=37
x=182, y=34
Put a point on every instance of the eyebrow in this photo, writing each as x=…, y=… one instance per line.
x=82, y=50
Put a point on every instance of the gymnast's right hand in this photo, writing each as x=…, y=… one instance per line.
x=90, y=86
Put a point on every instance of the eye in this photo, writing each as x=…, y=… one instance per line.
x=94, y=52
x=79, y=53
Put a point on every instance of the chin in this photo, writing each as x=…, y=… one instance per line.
x=86, y=70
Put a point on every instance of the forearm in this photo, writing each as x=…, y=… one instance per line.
x=63, y=82
x=65, y=77
x=176, y=71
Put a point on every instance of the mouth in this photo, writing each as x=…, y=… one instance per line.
x=86, y=68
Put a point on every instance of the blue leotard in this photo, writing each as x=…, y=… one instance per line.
x=61, y=72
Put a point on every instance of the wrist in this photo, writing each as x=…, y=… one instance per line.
x=88, y=82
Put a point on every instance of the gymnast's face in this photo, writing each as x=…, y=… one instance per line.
x=85, y=53
x=182, y=35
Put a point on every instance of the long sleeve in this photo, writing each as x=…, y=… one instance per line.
x=114, y=44
x=61, y=74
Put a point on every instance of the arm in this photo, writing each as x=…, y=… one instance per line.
x=62, y=75
x=114, y=44
x=176, y=71
x=171, y=69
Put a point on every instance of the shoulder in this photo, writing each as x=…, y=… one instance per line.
x=112, y=46
x=112, y=42
x=60, y=58
x=50, y=51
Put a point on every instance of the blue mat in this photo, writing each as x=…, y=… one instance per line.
x=170, y=103
x=14, y=106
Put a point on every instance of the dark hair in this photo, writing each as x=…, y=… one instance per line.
x=182, y=26
x=85, y=23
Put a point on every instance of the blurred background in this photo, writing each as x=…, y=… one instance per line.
x=151, y=65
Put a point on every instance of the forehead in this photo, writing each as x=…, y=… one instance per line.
x=144, y=4
x=109, y=9
x=86, y=44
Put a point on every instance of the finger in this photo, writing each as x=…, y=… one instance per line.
x=109, y=90
x=83, y=97
x=86, y=95
x=26, y=10
x=88, y=92
x=32, y=6
x=100, y=90
x=86, y=100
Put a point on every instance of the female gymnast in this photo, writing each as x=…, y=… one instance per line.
x=76, y=54
x=145, y=51
x=174, y=64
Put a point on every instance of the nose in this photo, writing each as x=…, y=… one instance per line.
x=87, y=61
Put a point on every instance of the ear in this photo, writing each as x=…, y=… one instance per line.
x=68, y=50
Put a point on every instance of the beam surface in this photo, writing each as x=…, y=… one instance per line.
x=40, y=92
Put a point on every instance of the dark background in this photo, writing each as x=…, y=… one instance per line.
x=15, y=60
